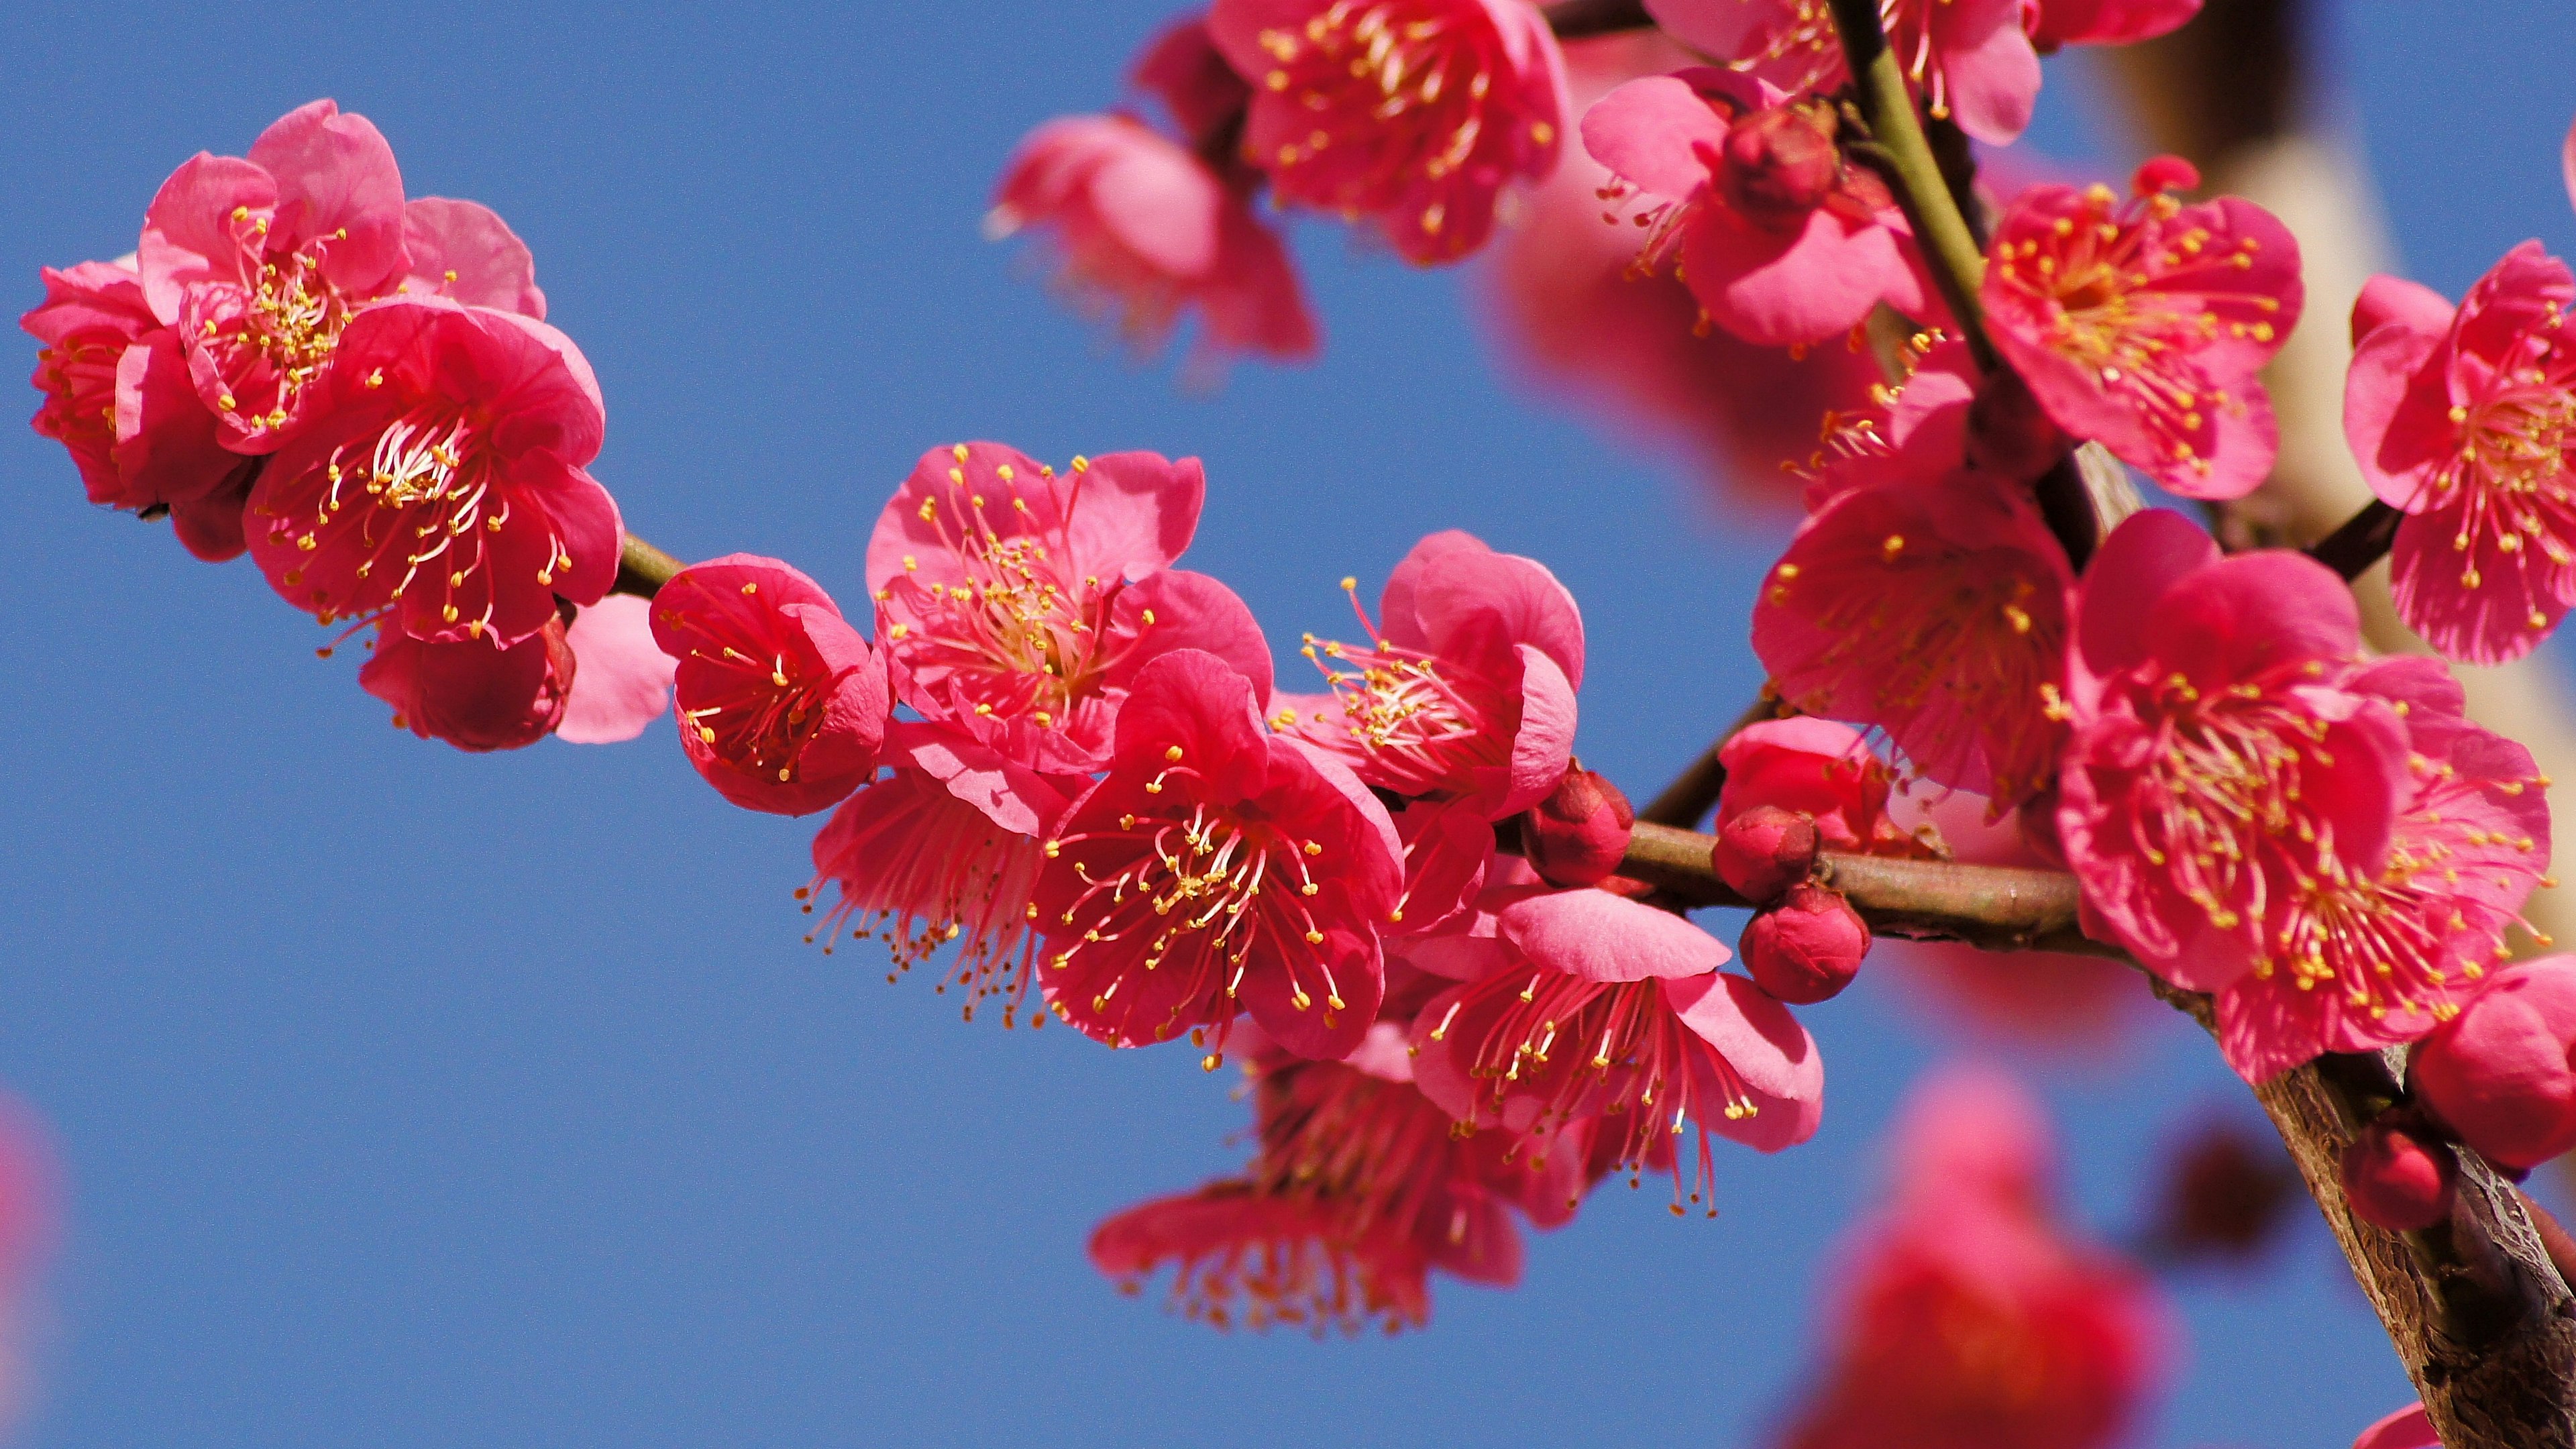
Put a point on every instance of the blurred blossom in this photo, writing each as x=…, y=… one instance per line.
x=2225, y=1195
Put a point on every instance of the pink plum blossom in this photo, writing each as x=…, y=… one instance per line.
x=1144, y=231
x=1590, y=1007
x=1415, y=114
x=2408, y=1428
x=1216, y=869
x=475, y=694
x=1778, y=238
x=119, y=400
x=2255, y=812
x=1182, y=67
x=259, y=264
x=782, y=704
x=2462, y=418
x=2142, y=325
x=1965, y=1315
x=945, y=850
x=1017, y=605
x=1359, y=1189
x=1575, y=325
x=1936, y=611
x=1465, y=689
x=1970, y=60
x=624, y=679
x=1819, y=769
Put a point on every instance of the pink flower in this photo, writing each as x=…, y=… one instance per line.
x=441, y=478
x=2106, y=22
x=1820, y=769
x=1631, y=353
x=1966, y=1317
x=2143, y=326
x=1217, y=869
x=1413, y=113
x=118, y=398
x=1465, y=690
x=259, y=265
x=1594, y=1008
x=2408, y=1428
x=782, y=704
x=2502, y=1073
x=1968, y=59
x=2462, y=418
x=945, y=849
x=624, y=682
x=1146, y=231
x=1781, y=242
x=1359, y=1189
x=1937, y=611
x=2256, y=813
x=1017, y=606
x=475, y=694
x=1182, y=68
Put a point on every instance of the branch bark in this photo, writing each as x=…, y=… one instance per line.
x=1575, y=19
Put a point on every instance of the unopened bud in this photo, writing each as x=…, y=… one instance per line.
x=1807, y=948
x=1763, y=851
x=1780, y=164
x=1577, y=835
x=2399, y=1177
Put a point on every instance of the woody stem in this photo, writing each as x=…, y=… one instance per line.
x=642, y=569
x=1575, y=19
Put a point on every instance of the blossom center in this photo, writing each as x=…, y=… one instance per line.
x=2508, y=482
x=1398, y=85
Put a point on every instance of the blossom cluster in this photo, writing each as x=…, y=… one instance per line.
x=360, y=390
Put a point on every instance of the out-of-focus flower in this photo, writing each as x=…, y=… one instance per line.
x=1181, y=67
x=2226, y=1192
x=1588, y=1007
x=2500, y=1072
x=1966, y=1316
x=1568, y=315
x=1016, y=605
x=1936, y=610
x=1217, y=869
x=475, y=694
x=2105, y=22
x=1970, y=60
x=2143, y=325
x=2463, y=418
x=1782, y=242
x=1415, y=114
x=782, y=704
x=441, y=479
x=1465, y=689
x=624, y=682
x=1145, y=231
x=2257, y=813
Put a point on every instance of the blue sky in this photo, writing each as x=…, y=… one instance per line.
x=411, y=1098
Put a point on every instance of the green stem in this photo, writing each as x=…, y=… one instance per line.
x=642, y=569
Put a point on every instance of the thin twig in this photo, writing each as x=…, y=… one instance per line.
x=642, y=569
x=2362, y=541
x=1575, y=19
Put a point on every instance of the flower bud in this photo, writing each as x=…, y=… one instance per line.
x=1780, y=164
x=2398, y=1177
x=1764, y=851
x=1577, y=835
x=1807, y=948
x=2498, y=1074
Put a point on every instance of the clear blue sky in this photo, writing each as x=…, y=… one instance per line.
x=408, y=1098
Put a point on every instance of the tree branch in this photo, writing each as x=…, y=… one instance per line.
x=2363, y=540
x=1693, y=792
x=1575, y=19
x=642, y=569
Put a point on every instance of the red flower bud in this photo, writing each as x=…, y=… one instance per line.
x=1764, y=851
x=2399, y=1177
x=1807, y=948
x=1577, y=835
x=2499, y=1074
x=1780, y=164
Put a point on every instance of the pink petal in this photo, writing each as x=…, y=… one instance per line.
x=2141, y=559
x=1476, y=606
x=2394, y=301
x=491, y=267
x=1647, y=131
x=1991, y=70
x=1010, y=795
x=1164, y=204
x=336, y=173
x=1545, y=742
x=1603, y=937
x=1789, y=291
x=1135, y=513
x=1194, y=702
x=189, y=236
x=2409, y=1427
x=1190, y=611
x=1764, y=1045
x=2387, y=366
x=623, y=682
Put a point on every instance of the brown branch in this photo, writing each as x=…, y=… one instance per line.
x=2362, y=541
x=1575, y=19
